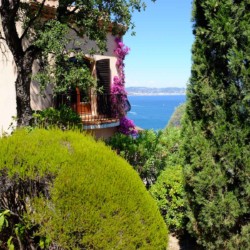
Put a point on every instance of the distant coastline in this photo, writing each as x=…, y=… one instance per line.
x=154, y=94
x=144, y=91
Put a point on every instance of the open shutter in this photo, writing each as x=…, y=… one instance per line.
x=103, y=81
x=103, y=75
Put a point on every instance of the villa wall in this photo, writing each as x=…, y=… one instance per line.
x=87, y=45
x=38, y=101
x=103, y=133
x=7, y=89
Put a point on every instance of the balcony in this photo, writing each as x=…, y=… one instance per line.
x=96, y=110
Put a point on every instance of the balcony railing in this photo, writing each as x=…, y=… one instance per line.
x=95, y=109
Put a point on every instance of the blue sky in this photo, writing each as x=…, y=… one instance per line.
x=160, y=53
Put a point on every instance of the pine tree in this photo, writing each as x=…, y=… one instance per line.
x=217, y=125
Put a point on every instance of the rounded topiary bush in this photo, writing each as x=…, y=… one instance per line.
x=84, y=196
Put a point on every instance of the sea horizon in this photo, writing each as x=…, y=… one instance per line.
x=155, y=94
x=153, y=91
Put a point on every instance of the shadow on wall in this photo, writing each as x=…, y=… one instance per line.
x=40, y=100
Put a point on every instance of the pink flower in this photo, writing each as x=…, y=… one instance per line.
x=119, y=98
x=127, y=127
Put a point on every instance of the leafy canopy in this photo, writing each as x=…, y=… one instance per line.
x=49, y=31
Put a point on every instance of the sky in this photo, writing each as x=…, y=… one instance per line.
x=160, y=53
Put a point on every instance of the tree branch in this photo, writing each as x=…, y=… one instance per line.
x=76, y=31
x=3, y=50
x=30, y=54
x=32, y=20
x=63, y=10
x=16, y=5
x=8, y=11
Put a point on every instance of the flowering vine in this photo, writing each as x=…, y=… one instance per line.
x=120, y=104
x=127, y=127
x=121, y=51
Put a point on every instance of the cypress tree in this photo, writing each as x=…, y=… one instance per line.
x=216, y=129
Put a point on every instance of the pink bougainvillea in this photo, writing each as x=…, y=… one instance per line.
x=120, y=104
x=127, y=127
x=121, y=51
x=118, y=86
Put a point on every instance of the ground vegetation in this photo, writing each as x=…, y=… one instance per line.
x=63, y=190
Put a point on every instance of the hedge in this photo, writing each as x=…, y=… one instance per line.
x=78, y=194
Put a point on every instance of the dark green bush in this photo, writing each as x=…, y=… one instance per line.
x=149, y=152
x=169, y=193
x=216, y=127
x=73, y=193
x=64, y=118
x=144, y=153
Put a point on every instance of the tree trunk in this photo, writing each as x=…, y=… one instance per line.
x=23, y=60
x=22, y=84
x=23, y=81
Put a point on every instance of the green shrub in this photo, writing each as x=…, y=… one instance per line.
x=73, y=193
x=149, y=152
x=144, y=153
x=64, y=118
x=169, y=194
x=216, y=128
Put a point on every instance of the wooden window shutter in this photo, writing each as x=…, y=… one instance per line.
x=103, y=80
x=103, y=75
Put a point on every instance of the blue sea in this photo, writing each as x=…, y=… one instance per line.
x=153, y=112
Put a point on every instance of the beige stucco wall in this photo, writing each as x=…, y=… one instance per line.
x=7, y=89
x=103, y=133
x=38, y=101
x=86, y=45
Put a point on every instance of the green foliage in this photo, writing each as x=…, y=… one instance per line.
x=64, y=118
x=149, y=152
x=53, y=38
x=10, y=244
x=156, y=157
x=169, y=193
x=216, y=131
x=144, y=153
x=71, y=192
x=177, y=116
x=55, y=65
x=64, y=74
x=90, y=20
x=4, y=219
